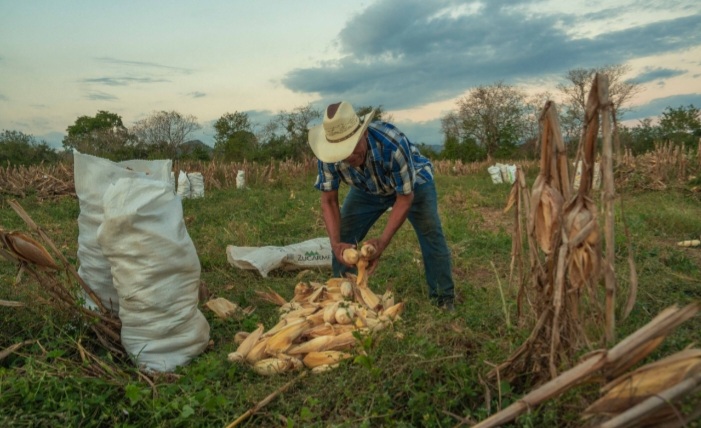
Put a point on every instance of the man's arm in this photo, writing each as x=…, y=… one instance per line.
x=332, y=219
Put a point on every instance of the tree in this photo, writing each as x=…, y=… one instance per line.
x=578, y=85
x=103, y=135
x=641, y=138
x=234, y=139
x=289, y=131
x=165, y=131
x=493, y=116
x=681, y=125
x=17, y=148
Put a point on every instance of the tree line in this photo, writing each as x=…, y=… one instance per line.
x=498, y=120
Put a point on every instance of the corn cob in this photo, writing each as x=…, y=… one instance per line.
x=271, y=366
x=330, y=312
x=351, y=256
x=324, y=368
x=246, y=346
x=314, y=359
x=258, y=352
x=689, y=243
x=347, y=289
x=344, y=314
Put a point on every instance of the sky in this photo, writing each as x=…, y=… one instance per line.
x=60, y=60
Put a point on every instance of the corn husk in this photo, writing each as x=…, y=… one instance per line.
x=332, y=283
x=314, y=359
x=369, y=297
x=240, y=336
x=546, y=207
x=284, y=322
x=317, y=294
x=317, y=317
x=328, y=329
x=394, y=311
x=246, y=346
x=341, y=342
x=302, y=291
x=651, y=379
x=223, y=308
x=582, y=235
x=272, y=297
x=324, y=368
x=330, y=312
x=27, y=249
x=258, y=352
x=290, y=307
x=272, y=366
x=387, y=299
x=300, y=313
x=282, y=340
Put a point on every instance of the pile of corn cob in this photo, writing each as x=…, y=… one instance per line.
x=320, y=325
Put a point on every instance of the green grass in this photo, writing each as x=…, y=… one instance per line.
x=419, y=373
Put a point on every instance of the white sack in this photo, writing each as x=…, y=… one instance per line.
x=196, y=184
x=314, y=253
x=156, y=273
x=92, y=176
x=495, y=173
x=240, y=179
x=184, y=189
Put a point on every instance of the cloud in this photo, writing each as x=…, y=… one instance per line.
x=142, y=64
x=407, y=53
x=196, y=94
x=122, y=81
x=651, y=74
x=4, y=97
x=100, y=96
x=658, y=105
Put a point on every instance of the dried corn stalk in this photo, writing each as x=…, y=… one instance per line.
x=34, y=259
x=611, y=362
x=566, y=270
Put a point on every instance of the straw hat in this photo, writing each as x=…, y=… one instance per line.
x=336, y=138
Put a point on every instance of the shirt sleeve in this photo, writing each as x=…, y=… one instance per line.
x=403, y=172
x=327, y=178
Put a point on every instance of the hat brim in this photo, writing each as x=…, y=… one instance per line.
x=336, y=152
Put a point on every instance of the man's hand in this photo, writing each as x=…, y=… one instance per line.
x=338, y=251
x=374, y=260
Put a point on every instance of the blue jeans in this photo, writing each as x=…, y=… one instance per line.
x=360, y=211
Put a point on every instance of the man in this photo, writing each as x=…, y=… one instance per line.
x=384, y=170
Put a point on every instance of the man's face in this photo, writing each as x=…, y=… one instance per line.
x=357, y=158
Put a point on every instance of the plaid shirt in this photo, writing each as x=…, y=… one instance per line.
x=393, y=164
